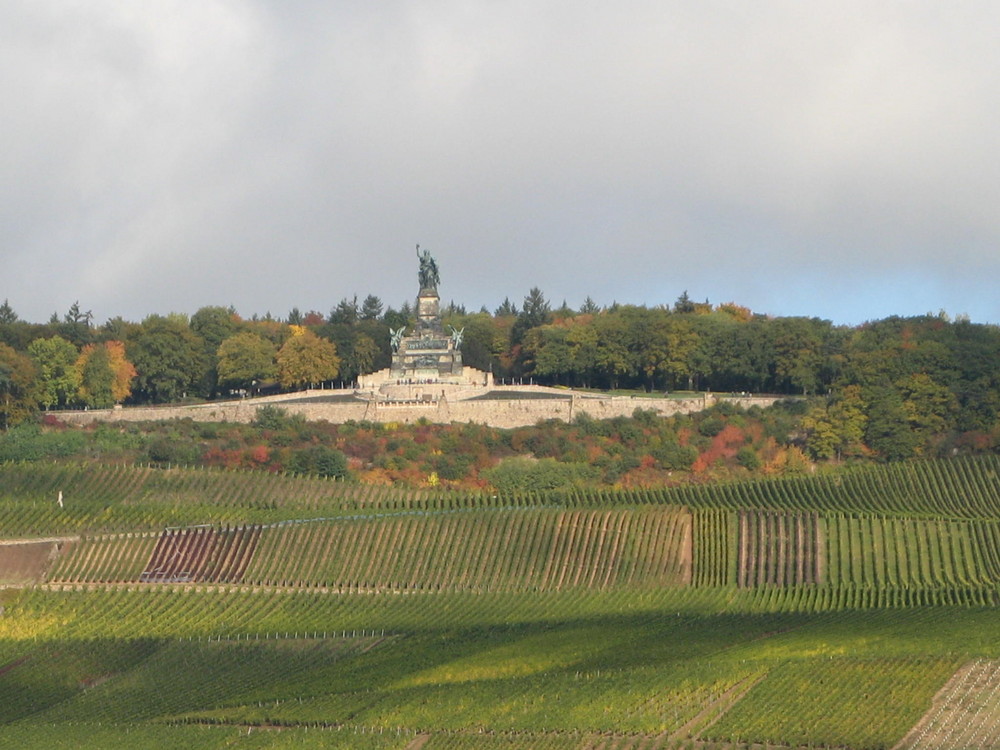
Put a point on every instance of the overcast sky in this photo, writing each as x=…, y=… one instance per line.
x=831, y=159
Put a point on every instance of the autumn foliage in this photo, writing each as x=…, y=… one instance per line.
x=105, y=374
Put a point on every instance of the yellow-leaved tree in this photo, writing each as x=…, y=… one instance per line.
x=306, y=359
x=124, y=371
x=105, y=374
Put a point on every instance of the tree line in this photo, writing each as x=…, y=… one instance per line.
x=891, y=387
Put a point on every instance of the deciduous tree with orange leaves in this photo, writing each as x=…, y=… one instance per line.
x=105, y=374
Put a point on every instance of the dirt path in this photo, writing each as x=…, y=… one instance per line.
x=418, y=742
x=715, y=710
x=39, y=540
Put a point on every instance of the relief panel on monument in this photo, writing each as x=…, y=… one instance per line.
x=419, y=344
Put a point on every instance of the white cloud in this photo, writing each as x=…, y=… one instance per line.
x=167, y=155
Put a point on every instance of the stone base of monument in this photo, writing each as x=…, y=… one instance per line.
x=429, y=354
x=426, y=360
x=426, y=365
x=385, y=385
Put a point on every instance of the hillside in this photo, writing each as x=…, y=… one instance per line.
x=892, y=389
x=203, y=608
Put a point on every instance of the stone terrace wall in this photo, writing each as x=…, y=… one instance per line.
x=243, y=410
x=500, y=412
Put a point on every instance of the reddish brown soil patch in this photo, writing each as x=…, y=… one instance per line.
x=201, y=554
x=26, y=562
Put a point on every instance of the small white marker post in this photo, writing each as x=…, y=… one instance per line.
x=59, y=499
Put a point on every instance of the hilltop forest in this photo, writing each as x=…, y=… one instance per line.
x=889, y=389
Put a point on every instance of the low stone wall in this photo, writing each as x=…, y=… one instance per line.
x=508, y=411
x=241, y=410
x=471, y=378
x=513, y=412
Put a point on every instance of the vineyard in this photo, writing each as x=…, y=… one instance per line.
x=100, y=498
x=539, y=549
x=966, y=712
x=523, y=550
x=200, y=608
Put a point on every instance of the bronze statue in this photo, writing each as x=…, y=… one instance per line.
x=456, y=336
x=429, y=277
x=396, y=336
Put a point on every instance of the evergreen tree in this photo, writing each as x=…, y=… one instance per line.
x=7, y=314
x=684, y=304
x=170, y=359
x=534, y=312
x=361, y=358
x=76, y=325
x=371, y=308
x=564, y=311
x=213, y=325
x=346, y=312
x=395, y=319
x=506, y=309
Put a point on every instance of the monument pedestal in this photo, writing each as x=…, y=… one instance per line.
x=429, y=354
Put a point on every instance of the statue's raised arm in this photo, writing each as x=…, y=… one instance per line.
x=429, y=278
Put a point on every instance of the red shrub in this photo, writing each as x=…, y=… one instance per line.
x=259, y=455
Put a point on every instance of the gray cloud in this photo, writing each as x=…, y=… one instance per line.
x=831, y=159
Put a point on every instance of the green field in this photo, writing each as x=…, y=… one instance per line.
x=191, y=608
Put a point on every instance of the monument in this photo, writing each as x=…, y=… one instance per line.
x=429, y=353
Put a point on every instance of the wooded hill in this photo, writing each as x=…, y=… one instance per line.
x=932, y=374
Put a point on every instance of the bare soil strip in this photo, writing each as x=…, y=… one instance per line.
x=26, y=563
x=418, y=742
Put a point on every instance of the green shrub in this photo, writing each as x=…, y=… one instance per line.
x=320, y=460
x=674, y=456
x=747, y=458
x=727, y=409
x=172, y=449
x=646, y=417
x=453, y=466
x=711, y=426
x=794, y=406
x=529, y=475
x=270, y=417
x=108, y=438
x=28, y=442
